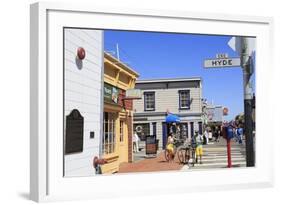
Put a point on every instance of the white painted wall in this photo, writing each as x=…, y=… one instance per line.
x=83, y=92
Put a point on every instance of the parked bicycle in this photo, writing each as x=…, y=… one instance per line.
x=184, y=150
x=176, y=145
x=186, y=154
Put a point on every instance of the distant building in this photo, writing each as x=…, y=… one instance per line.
x=180, y=96
x=214, y=113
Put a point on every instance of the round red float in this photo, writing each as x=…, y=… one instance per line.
x=81, y=53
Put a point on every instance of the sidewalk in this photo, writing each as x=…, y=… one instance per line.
x=157, y=163
x=214, y=157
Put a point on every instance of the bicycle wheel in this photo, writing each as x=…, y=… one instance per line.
x=193, y=157
x=182, y=155
x=187, y=156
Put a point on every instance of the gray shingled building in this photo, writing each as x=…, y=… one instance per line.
x=180, y=96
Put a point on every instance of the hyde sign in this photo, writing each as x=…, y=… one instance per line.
x=222, y=61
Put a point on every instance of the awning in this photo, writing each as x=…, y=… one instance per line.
x=172, y=118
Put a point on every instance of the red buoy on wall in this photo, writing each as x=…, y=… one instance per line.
x=81, y=53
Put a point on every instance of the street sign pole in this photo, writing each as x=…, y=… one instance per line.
x=245, y=63
x=228, y=153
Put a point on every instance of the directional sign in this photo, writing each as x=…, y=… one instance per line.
x=222, y=62
x=235, y=43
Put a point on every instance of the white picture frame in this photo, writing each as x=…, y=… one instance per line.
x=46, y=180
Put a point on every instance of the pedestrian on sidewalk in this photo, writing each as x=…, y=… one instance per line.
x=136, y=142
x=216, y=134
x=206, y=135
x=240, y=134
x=170, y=148
x=199, y=146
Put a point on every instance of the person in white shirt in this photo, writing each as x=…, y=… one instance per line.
x=136, y=142
x=206, y=134
x=199, y=146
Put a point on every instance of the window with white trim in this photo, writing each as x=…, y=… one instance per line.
x=109, y=136
x=149, y=101
x=184, y=99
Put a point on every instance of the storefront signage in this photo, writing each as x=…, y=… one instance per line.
x=151, y=144
x=110, y=93
x=133, y=94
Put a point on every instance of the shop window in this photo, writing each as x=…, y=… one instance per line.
x=184, y=99
x=121, y=131
x=149, y=101
x=184, y=130
x=192, y=128
x=109, y=136
x=142, y=130
x=74, y=132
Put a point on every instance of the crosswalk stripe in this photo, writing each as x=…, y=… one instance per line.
x=215, y=156
x=220, y=154
x=220, y=158
x=219, y=163
x=221, y=150
x=223, y=160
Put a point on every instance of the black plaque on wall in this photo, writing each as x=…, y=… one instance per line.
x=74, y=132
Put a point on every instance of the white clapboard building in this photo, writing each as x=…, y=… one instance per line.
x=83, y=79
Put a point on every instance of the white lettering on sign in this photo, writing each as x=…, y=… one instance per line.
x=222, y=55
x=219, y=63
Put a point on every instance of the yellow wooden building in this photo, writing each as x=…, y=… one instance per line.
x=118, y=113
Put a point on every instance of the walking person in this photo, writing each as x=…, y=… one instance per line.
x=136, y=142
x=216, y=134
x=170, y=148
x=240, y=134
x=199, y=146
x=206, y=135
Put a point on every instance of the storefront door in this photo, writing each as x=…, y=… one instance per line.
x=123, y=141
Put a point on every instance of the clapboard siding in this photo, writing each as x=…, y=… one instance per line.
x=169, y=99
x=83, y=92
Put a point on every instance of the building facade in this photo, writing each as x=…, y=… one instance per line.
x=82, y=100
x=97, y=116
x=117, y=114
x=182, y=97
x=214, y=114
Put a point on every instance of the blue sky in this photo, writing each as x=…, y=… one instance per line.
x=169, y=55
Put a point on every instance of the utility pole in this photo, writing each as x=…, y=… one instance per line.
x=117, y=51
x=247, y=72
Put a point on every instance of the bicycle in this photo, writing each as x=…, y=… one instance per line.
x=177, y=144
x=186, y=154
